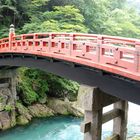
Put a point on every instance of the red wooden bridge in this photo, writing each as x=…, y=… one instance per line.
x=113, y=63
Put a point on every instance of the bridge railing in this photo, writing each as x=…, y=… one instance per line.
x=113, y=54
x=4, y=43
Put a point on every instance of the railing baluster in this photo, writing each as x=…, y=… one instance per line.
x=72, y=36
x=98, y=48
x=137, y=57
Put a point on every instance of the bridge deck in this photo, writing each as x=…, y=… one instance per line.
x=116, y=55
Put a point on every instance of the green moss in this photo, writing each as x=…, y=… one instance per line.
x=9, y=108
x=1, y=98
x=21, y=109
x=22, y=120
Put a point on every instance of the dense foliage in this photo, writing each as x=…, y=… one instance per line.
x=102, y=16
x=112, y=17
x=61, y=19
x=34, y=85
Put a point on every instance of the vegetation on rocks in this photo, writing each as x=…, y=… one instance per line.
x=9, y=108
x=35, y=85
x=22, y=120
x=39, y=110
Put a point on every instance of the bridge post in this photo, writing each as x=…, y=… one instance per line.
x=8, y=77
x=120, y=123
x=100, y=41
x=8, y=95
x=11, y=35
x=137, y=56
x=94, y=102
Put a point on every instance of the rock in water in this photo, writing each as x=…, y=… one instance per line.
x=40, y=110
x=22, y=120
x=5, y=120
x=63, y=108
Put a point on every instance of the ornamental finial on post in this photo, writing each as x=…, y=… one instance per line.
x=11, y=34
x=12, y=28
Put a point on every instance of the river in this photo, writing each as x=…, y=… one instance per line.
x=66, y=128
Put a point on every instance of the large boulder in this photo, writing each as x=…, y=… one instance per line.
x=63, y=107
x=23, y=111
x=22, y=120
x=59, y=106
x=5, y=120
x=40, y=110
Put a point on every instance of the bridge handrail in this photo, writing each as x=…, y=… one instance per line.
x=117, y=55
x=3, y=40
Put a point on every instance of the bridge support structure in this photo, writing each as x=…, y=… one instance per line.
x=8, y=98
x=8, y=80
x=94, y=102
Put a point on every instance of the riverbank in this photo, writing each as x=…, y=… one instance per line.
x=35, y=94
x=24, y=114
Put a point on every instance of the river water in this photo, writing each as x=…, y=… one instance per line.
x=66, y=128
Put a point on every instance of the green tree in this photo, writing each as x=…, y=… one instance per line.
x=123, y=22
x=8, y=11
x=62, y=19
x=8, y=14
x=32, y=85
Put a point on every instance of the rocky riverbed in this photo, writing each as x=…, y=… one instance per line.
x=15, y=113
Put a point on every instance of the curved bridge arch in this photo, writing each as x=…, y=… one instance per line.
x=112, y=63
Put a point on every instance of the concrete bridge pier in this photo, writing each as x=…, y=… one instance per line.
x=8, y=80
x=7, y=98
x=94, y=102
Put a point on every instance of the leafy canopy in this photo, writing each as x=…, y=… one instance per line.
x=62, y=19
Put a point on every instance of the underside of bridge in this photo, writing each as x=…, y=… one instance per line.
x=109, y=83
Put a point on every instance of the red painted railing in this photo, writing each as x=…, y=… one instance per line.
x=117, y=55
